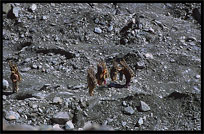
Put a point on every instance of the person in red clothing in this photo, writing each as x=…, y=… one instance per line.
x=15, y=76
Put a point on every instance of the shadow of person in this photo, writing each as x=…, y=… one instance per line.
x=7, y=92
x=116, y=85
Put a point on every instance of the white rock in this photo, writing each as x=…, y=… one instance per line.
x=97, y=30
x=5, y=84
x=57, y=100
x=69, y=125
x=33, y=7
x=197, y=76
x=149, y=55
x=140, y=122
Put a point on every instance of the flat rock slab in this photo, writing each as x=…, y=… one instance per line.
x=61, y=118
x=128, y=110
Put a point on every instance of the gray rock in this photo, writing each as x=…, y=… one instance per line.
x=57, y=100
x=69, y=125
x=27, y=60
x=61, y=118
x=144, y=107
x=11, y=115
x=97, y=30
x=96, y=20
x=5, y=84
x=26, y=69
x=128, y=110
x=6, y=8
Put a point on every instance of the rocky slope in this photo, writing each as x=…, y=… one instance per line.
x=53, y=44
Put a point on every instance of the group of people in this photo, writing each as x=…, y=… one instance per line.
x=102, y=73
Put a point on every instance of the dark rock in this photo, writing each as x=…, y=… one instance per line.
x=197, y=15
x=12, y=14
x=140, y=65
x=78, y=118
x=11, y=115
x=177, y=95
x=128, y=110
x=61, y=118
x=143, y=106
x=5, y=84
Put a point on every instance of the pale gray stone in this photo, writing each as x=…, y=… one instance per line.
x=144, y=107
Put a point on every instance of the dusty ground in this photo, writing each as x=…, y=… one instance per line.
x=54, y=44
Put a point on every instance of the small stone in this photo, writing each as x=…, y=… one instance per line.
x=124, y=103
x=128, y=110
x=97, y=30
x=197, y=76
x=44, y=17
x=57, y=100
x=26, y=69
x=69, y=125
x=140, y=65
x=110, y=28
x=96, y=20
x=34, y=106
x=34, y=66
x=4, y=97
x=140, y=122
x=124, y=123
x=5, y=84
x=149, y=55
x=144, y=107
x=11, y=115
x=33, y=7
x=40, y=110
